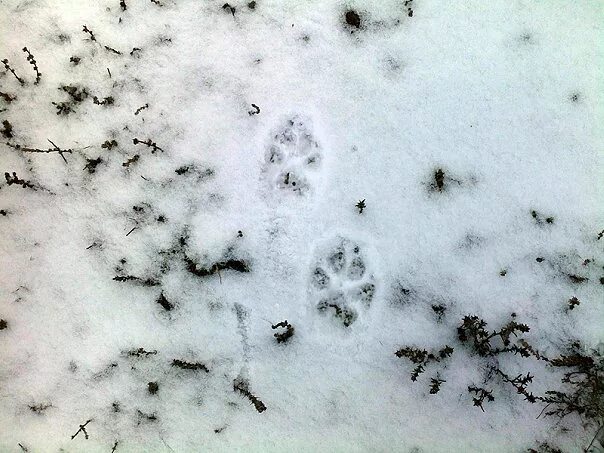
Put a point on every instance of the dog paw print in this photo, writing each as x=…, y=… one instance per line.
x=341, y=285
x=293, y=156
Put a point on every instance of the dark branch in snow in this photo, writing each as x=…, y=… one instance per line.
x=230, y=264
x=577, y=278
x=83, y=430
x=116, y=442
x=421, y=357
x=32, y=61
x=131, y=278
x=140, y=109
x=39, y=408
x=14, y=179
x=243, y=387
x=112, y=50
x=193, y=366
x=56, y=149
x=149, y=143
x=140, y=352
x=85, y=29
x=8, y=68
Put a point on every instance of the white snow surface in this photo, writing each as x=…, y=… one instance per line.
x=505, y=97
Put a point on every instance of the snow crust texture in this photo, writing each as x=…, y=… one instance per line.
x=306, y=226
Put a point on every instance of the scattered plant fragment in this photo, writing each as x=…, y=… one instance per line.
x=230, y=264
x=243, y=387
x=140, y=352
x=106, y=101
x=481, y=395
x=149, y=143
x=32, y=61
x=140, y=109
x=192, y=366
x=91, y=164
x=145, y=417
x=229, y=8
x=255, y=111
x=422, y=357
x=7, y=130
x=109, y=144
x=8, y=98
x=573, y=302
x=435, y=384
x=352, y=19
x=153, y=387
x=539, y=218
x=361, y=206
x=39, y=408
x=283, y=337
x=165, y=303
x=9, y=68
x=14, y=179
x=83, y=430
x=131, y=160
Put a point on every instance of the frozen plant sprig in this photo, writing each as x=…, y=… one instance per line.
x=55, y=149
x=9, y=68
x=149, y=143
x=32, y=61
x=243, y=387
x=82, y=430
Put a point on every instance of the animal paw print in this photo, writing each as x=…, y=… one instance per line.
x=340, y=282
x=292, y=155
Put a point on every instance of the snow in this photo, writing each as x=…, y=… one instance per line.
x=504, y=97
